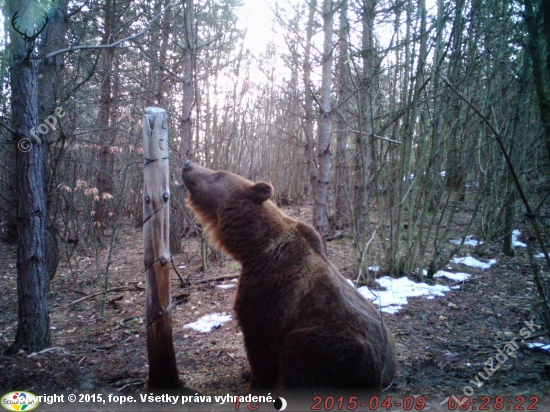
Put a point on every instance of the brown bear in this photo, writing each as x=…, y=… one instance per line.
x=304, y=325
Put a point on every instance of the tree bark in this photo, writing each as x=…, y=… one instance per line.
x=53, y=38
x=510, y=204
x=33, y=327
x=105, y=138
x=159, y=77
x=189, y=57
x=308, y=100
x=363, y=140
x=186, y=126
x=455, y=173
x=536, y=52
x=341, y=204
x=320, y=213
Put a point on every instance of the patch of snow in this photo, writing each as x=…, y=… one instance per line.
x=453, y=276
x=473, y=262
x=374, y=268
x=539, y=255
x=515, y=241
x=226, y=286
x=541, y=346
x=209, y=322
x=398, y=290
x=470, y=240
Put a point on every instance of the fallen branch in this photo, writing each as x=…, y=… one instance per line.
x=459, y=282
x=215, y=279
x=115, y=299
x=222, y=352
x=118, y=289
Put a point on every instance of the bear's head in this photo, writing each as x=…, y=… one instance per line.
x=212, y=193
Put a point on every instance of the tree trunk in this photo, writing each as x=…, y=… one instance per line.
x=341, y=204
x=308, y=100
x=53, y=38
x=510, y=204
x=188, y=78
x=363, y=139
x=188, y=101
x=432, y=193
x=33, y=327
x=536, y=52
x=320, y=213
x=177, y=221
x=412, y=90
x=105, y=138
x=455, y=172
x=159, y=78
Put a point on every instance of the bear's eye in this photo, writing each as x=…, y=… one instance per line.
x=216, y=177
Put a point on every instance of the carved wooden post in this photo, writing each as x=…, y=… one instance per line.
x=163, y=371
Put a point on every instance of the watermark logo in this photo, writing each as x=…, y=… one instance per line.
x=504, y=352
x=24, y=145
x=49, y=123
x=29, y=40
x=19, y=401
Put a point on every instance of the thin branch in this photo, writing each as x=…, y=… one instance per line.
x=77, y=10
x=93, y=295
x=363, y=256
x=108, y=46
x=8, y=128
x=216, y=279
x=374, y=135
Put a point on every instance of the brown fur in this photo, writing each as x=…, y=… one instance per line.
x=304, y=325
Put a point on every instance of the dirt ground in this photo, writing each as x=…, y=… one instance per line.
x=443, y=343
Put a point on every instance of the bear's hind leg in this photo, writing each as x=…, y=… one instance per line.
x=315, y=358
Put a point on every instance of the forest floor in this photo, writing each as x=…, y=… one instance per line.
x=443, y=343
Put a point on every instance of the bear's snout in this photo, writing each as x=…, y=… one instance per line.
x=193, y=174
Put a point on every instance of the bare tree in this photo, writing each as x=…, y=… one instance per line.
x=189, y=48
x=537, y=52
x=188, y=45
x=308, y=98
x=364, y=135
x=105, y=184
x=320, y=212
x=49, y=93
x=342, y=133
x=33, y=327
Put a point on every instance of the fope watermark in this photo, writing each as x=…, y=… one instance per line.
x=49, y=123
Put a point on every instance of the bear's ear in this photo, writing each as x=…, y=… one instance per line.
x=261, y=192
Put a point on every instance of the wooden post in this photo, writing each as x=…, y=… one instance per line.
x=163, y=371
